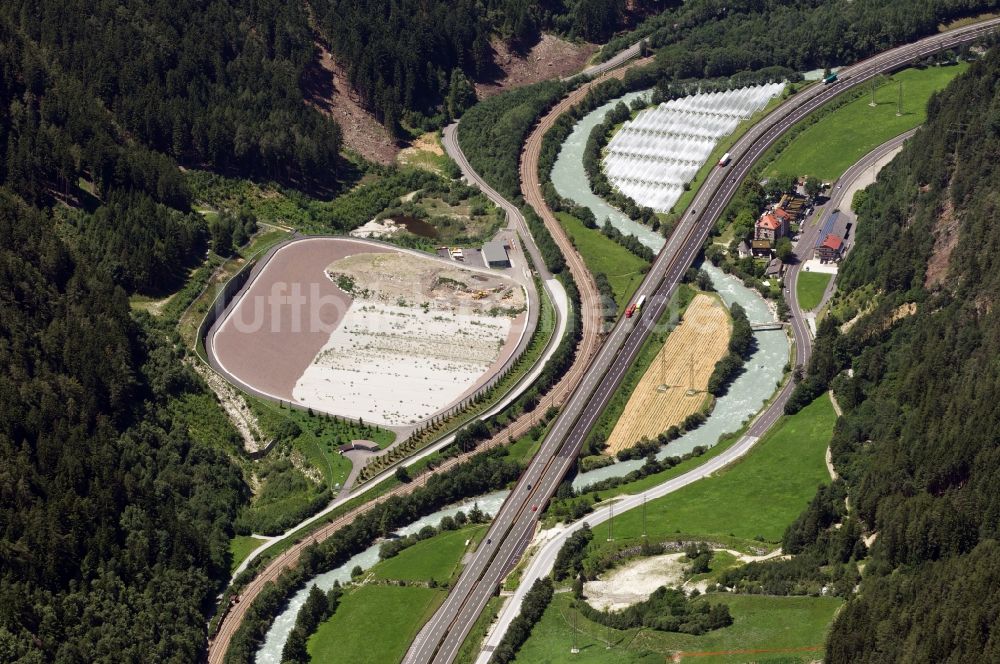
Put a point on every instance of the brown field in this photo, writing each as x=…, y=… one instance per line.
x=698, y=342
x=265, y=342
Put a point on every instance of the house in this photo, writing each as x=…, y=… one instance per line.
x=495, y=254
x=761, y=248
x=830, y=245
x=785, y=216
x=774, y=269
x=743, y=249
x=830, y=249
x=770, y=227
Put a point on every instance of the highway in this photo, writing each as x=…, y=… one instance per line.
x=542, y=561
x=514, y=525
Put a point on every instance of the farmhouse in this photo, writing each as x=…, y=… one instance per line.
x=761, y=248
x=774, y=269
x=495, y=254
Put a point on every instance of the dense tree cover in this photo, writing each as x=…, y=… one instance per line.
x=131, y=216
x=228, y=232
x=318, y=607
x=404, y=58
x=705, y=38
x=667, y=610
x=917, y=443
x=569, y=560
x=115, y=523
x=533, y=606
x=204, y=81
x=484, y=472
x=493, y=132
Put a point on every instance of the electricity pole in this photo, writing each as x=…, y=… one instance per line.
x=644, y=516
x=872, y=102
x=611, y=523
x=899, y=101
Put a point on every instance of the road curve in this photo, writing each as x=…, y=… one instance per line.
x=514, y=525
x=543, y=560
x=589, y=295
x=219, y=644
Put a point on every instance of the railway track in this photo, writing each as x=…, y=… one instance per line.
x=514, y=524
x=590, y=341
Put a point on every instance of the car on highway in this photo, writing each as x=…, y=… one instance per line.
x=534, y=508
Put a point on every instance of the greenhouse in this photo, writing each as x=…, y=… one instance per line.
x=652, y=157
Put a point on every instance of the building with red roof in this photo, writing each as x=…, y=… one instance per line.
x=770, y=227
x=830, y=249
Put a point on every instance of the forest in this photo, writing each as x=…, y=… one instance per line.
x=917, y=443
x=112, y=516
x=116, y=521
x=708, y=38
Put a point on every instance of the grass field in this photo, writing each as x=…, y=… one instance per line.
x=469, y=651
x=757, y=496
x=684, y=363
x=829, y=147
x=764, y=628
x=394, y=613
x=240, y=547
x=809, y=289
x=435, y=558
x=623, y=269
x=374, y=624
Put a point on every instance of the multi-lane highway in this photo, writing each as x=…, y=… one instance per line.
x=514, y=524
x=542, y=561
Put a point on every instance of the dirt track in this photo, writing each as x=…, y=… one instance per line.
x=556, y=396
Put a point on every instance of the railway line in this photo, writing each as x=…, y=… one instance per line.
x=235, y=613
x=514, y=525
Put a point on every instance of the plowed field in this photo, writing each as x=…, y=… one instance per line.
x=685, y=363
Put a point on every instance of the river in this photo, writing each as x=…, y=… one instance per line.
x=571, y=181
x=274, y=641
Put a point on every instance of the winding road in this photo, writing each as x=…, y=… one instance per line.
x=541, y=563
x=512, y=528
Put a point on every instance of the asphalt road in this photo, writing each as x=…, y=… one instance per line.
x=543, y=560
x=633, y=51
x=514, y=525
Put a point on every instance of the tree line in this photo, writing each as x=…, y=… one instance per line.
x=707, y=38
x=916, y=444
x=114, y=516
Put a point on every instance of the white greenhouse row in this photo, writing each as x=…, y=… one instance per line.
x=651, y=157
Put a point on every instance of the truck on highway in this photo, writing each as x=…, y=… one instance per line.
x=726, y=158
x=635, y=307
x=830, y=78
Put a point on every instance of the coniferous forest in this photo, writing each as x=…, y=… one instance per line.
x=115, y=521
x=917, y=445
